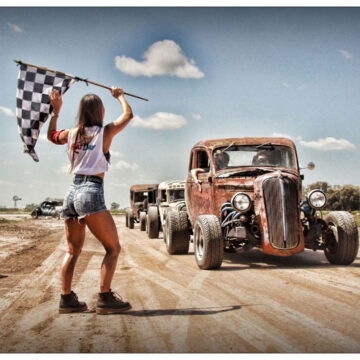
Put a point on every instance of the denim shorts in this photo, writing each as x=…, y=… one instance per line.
x=85, y=197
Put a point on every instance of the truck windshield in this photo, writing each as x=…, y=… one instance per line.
x=266, y=155
x=140, y=196
x=176, y=195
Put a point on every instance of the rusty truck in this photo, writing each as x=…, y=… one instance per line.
x=243, y=193
x=171, y=196
x=140, y=196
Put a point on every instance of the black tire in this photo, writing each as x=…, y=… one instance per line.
x=34, y=214
x=342, y=241
x=142, y=221
x=127, y=217
x=177, y=235
x=131, y=219
x=153, y=222
x=208, y=242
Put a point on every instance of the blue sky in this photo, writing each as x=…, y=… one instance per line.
x=208, y=72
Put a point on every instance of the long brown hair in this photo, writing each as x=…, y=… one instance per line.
x=90, y=113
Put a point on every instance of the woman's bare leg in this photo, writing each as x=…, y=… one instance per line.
x=75, y=234
x=103, y=227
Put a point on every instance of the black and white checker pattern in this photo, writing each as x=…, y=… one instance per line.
x=33, y=102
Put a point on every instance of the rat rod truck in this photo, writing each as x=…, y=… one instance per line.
x=139, y=198
x=246, y=192
x=171, y=196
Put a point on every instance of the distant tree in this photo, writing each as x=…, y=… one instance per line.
x=54, y=199
x=114, y=206
x=322, y=185
x=345, y=197
x=30, y=207
x=350, y=197
x=333, y=200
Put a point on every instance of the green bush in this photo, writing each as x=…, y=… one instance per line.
x=117, y=212
x=5, y=210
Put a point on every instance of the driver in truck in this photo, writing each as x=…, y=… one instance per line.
x=262, y=158
x=221, y=159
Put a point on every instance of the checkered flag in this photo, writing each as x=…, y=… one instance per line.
x=33, y=102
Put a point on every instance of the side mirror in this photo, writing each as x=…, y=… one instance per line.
x=310, y=166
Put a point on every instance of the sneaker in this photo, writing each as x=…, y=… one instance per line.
x=111, y=303
x=69, y=303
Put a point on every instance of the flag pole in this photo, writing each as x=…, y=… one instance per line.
x=77, y=78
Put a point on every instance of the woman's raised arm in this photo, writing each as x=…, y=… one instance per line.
x=53, y=135
x=115, y=127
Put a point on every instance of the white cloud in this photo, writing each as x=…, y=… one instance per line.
x=275, y=134
x=161, y=58
x=293, y=86
x=346, y=54
x=115, y=153
x=15, y=27
x=328, y=144
x=6, y=111
x=196, y=116
x=160, y=121
x=123, y=165
x=63, y=169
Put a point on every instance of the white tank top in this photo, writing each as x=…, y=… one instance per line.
x=89, y=158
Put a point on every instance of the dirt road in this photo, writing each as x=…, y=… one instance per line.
x=254, y=303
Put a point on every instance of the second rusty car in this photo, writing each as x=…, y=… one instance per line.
x=247, y=192
x=139, y=199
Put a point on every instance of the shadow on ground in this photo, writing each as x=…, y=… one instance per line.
x=182, y=312
x=255, y=259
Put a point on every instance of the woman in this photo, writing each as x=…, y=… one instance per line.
x=88, y=152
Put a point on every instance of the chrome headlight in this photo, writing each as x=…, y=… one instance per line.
x=241, y=202
x=316, y=199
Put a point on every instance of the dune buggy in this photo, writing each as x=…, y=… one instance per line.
x=48, y=208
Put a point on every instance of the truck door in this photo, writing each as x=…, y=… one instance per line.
x=199, y=197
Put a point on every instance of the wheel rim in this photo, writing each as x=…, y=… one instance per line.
x=199, y=243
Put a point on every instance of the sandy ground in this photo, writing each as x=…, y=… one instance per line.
x=254, y=303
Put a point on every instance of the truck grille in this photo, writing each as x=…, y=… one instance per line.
x=281, y=204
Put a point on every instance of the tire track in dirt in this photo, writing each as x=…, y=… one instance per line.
x=199, y=303
x=307, y=319
x=188, y=297
x=254, y=303
x=300, y=312
x=31, y=307
x=34, y=280
x=22, y=299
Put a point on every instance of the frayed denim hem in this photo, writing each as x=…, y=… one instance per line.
x=81, y=217
x=91, y=213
